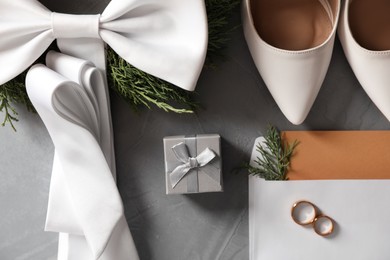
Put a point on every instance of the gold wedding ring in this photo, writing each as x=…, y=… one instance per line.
x=303, y=212
x=306, y=213
x=323, y=225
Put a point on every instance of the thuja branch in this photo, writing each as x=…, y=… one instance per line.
x=218, y=13
x=275, y=156
x=13, y=92
x=141, y=89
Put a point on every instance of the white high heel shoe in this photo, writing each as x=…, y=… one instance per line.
x=291, y=43
x=364, y=32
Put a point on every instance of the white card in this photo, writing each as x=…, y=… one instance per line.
x=360, y=208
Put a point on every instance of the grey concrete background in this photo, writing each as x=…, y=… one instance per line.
x=236, y=104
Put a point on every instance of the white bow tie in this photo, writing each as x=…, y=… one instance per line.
x=165, y=38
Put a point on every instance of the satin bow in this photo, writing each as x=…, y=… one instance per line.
x=166, y=38
x=188, y=163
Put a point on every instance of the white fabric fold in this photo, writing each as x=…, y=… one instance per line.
x=60, y=212
x=87, y=207
x=167, y=39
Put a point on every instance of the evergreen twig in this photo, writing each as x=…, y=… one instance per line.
x=14, y=92
x=275, y=155
x=218, y=14
x=141, y=89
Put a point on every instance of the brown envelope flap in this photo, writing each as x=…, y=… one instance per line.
x=339, y=155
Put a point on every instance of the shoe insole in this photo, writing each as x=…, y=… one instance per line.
x=292, y=24
x=370, y=23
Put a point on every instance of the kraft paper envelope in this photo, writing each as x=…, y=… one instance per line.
x=339, y=155
x=360, y=208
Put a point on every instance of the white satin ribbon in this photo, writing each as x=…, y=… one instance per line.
x=89, y=210
x=167, y=39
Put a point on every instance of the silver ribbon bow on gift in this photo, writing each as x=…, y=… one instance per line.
x=181, y=152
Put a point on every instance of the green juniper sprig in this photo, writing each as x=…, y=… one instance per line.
x=218, y=14
x=141, y=89
x=275, y=155
x=14, y=92
x=138, y=88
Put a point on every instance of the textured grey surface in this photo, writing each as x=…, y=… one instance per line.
x=236, y=104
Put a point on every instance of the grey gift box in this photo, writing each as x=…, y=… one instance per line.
x=207, y=178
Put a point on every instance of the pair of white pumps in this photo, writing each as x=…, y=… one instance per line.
x=291, y=43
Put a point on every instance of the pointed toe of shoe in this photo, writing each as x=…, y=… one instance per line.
x=371, y=67
x=296, y=116
x=294, y=98
x=293, y=78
